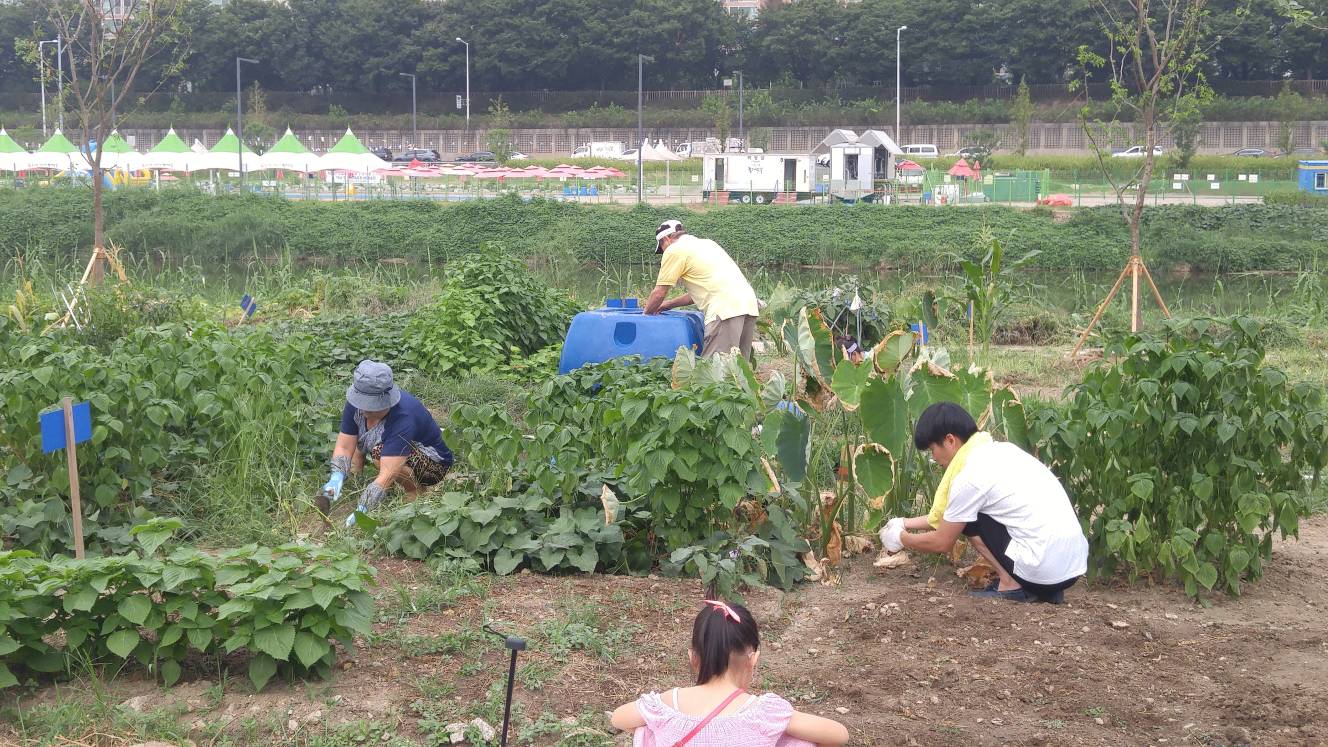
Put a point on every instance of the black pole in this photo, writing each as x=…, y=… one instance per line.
x=507, y=707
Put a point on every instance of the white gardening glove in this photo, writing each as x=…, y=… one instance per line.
x=890, y=534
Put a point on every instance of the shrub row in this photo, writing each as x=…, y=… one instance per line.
x=282, y=604
x=184, y=223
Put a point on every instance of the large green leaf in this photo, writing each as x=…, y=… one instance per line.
x=261, y=669
x=122, y=642
x=309, y=648
x=823, y=345
x=848, y=381
x=275, y=640
x=1010, y=420
x=885, y=415
x=931, y=384
x=7, y=678
x=874, y=467
x=891, y=351
x=790, y=438
x=135, y=608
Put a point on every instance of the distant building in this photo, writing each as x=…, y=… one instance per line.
x=748, y=8
x=1312, y=177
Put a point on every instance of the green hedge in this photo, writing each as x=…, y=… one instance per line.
x=53, y=223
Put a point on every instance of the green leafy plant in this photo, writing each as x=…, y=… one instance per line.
x=1186, y=455
x=282, y=604
x=491, y=311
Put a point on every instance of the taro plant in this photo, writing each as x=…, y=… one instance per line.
x=989, y=287
x=867, y=408
x=1185, y=455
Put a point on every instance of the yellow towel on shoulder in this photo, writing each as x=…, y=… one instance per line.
x=942, y=499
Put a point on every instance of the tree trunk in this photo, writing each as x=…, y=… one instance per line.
x=98, y=269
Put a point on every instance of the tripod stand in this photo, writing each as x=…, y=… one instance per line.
x=1134, y=269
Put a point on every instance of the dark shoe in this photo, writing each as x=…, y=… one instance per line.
x=1014, y=595
x=1057, y=598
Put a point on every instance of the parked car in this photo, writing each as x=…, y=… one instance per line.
x=382, y=153
x=920, y=150
x=423, y=155
x=1251, y=153
x=517, y=155
x=479, y=156
x=1138, y=151
x=967, y=152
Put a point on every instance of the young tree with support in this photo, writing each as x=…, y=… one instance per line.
x=1156, y=50
x=106, y=46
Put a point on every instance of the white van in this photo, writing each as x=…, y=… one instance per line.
x=602, y=149
x=923, y=150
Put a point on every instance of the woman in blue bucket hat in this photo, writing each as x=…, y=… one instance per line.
x=394, y=430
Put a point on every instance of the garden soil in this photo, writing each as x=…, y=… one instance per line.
x=903, y=657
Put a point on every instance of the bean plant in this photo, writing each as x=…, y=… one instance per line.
x=1186, y=453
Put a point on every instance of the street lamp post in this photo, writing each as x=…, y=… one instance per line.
x=414, y=130
x=898, y=98
x=741, y=135
x=463, y=41
x=641, y=60
x=239, y=116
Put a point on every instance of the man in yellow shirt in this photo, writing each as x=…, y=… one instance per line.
x=711, y=280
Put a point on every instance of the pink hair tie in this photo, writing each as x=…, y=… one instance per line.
x=727, y=610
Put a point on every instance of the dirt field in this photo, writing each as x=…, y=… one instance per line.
x=912, y=658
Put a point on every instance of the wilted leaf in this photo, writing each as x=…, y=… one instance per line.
x=893, y=560
x=978, y=575
x=609, y=500
x=857, y=545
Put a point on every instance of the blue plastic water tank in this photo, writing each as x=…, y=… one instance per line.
x=620, y=329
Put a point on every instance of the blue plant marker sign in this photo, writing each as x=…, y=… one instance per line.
x=920, y=329
x=248, y=305
x=53, y=427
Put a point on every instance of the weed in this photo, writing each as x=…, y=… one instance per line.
x=359, y=733
x=1054, y=724
x=579, y=628
x=435, y=688
x=533, y=675
x=1095, y=712
x=583, y=730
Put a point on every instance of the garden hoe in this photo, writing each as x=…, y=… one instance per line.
x=513, y=644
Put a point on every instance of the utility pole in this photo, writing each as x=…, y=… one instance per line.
x=414, y=129
x=463, y=41
x=741, y=135
x=239, y=116
x=898, y=97
x=641, y=60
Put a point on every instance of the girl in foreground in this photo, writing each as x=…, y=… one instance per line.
x=718, y=711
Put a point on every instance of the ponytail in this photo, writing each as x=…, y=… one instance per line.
x=717, y=637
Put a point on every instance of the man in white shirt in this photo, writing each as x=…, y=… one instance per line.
x=1009, y=504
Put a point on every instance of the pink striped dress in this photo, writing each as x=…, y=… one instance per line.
x=759, y=722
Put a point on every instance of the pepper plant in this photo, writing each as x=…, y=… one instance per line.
x=1187, y=453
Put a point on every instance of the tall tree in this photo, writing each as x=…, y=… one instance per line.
x=1158, y=49
x=106, y=46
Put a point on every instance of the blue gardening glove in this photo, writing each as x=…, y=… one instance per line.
x=373, y=495
x=333, y=487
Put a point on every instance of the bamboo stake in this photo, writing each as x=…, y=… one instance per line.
x=71, y=452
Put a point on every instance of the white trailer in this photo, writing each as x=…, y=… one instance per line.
x=757, y=177
x=600, y=149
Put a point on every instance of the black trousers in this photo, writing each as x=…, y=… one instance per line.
x=997, y=539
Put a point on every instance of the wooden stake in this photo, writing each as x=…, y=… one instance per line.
x=1134, y=294
x=71, y=452
x=1134, y=268
x=1101, y=308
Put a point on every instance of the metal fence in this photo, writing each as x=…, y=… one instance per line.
x=1044, y=138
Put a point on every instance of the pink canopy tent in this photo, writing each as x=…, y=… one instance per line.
x=907, y=165
x=962, y=169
